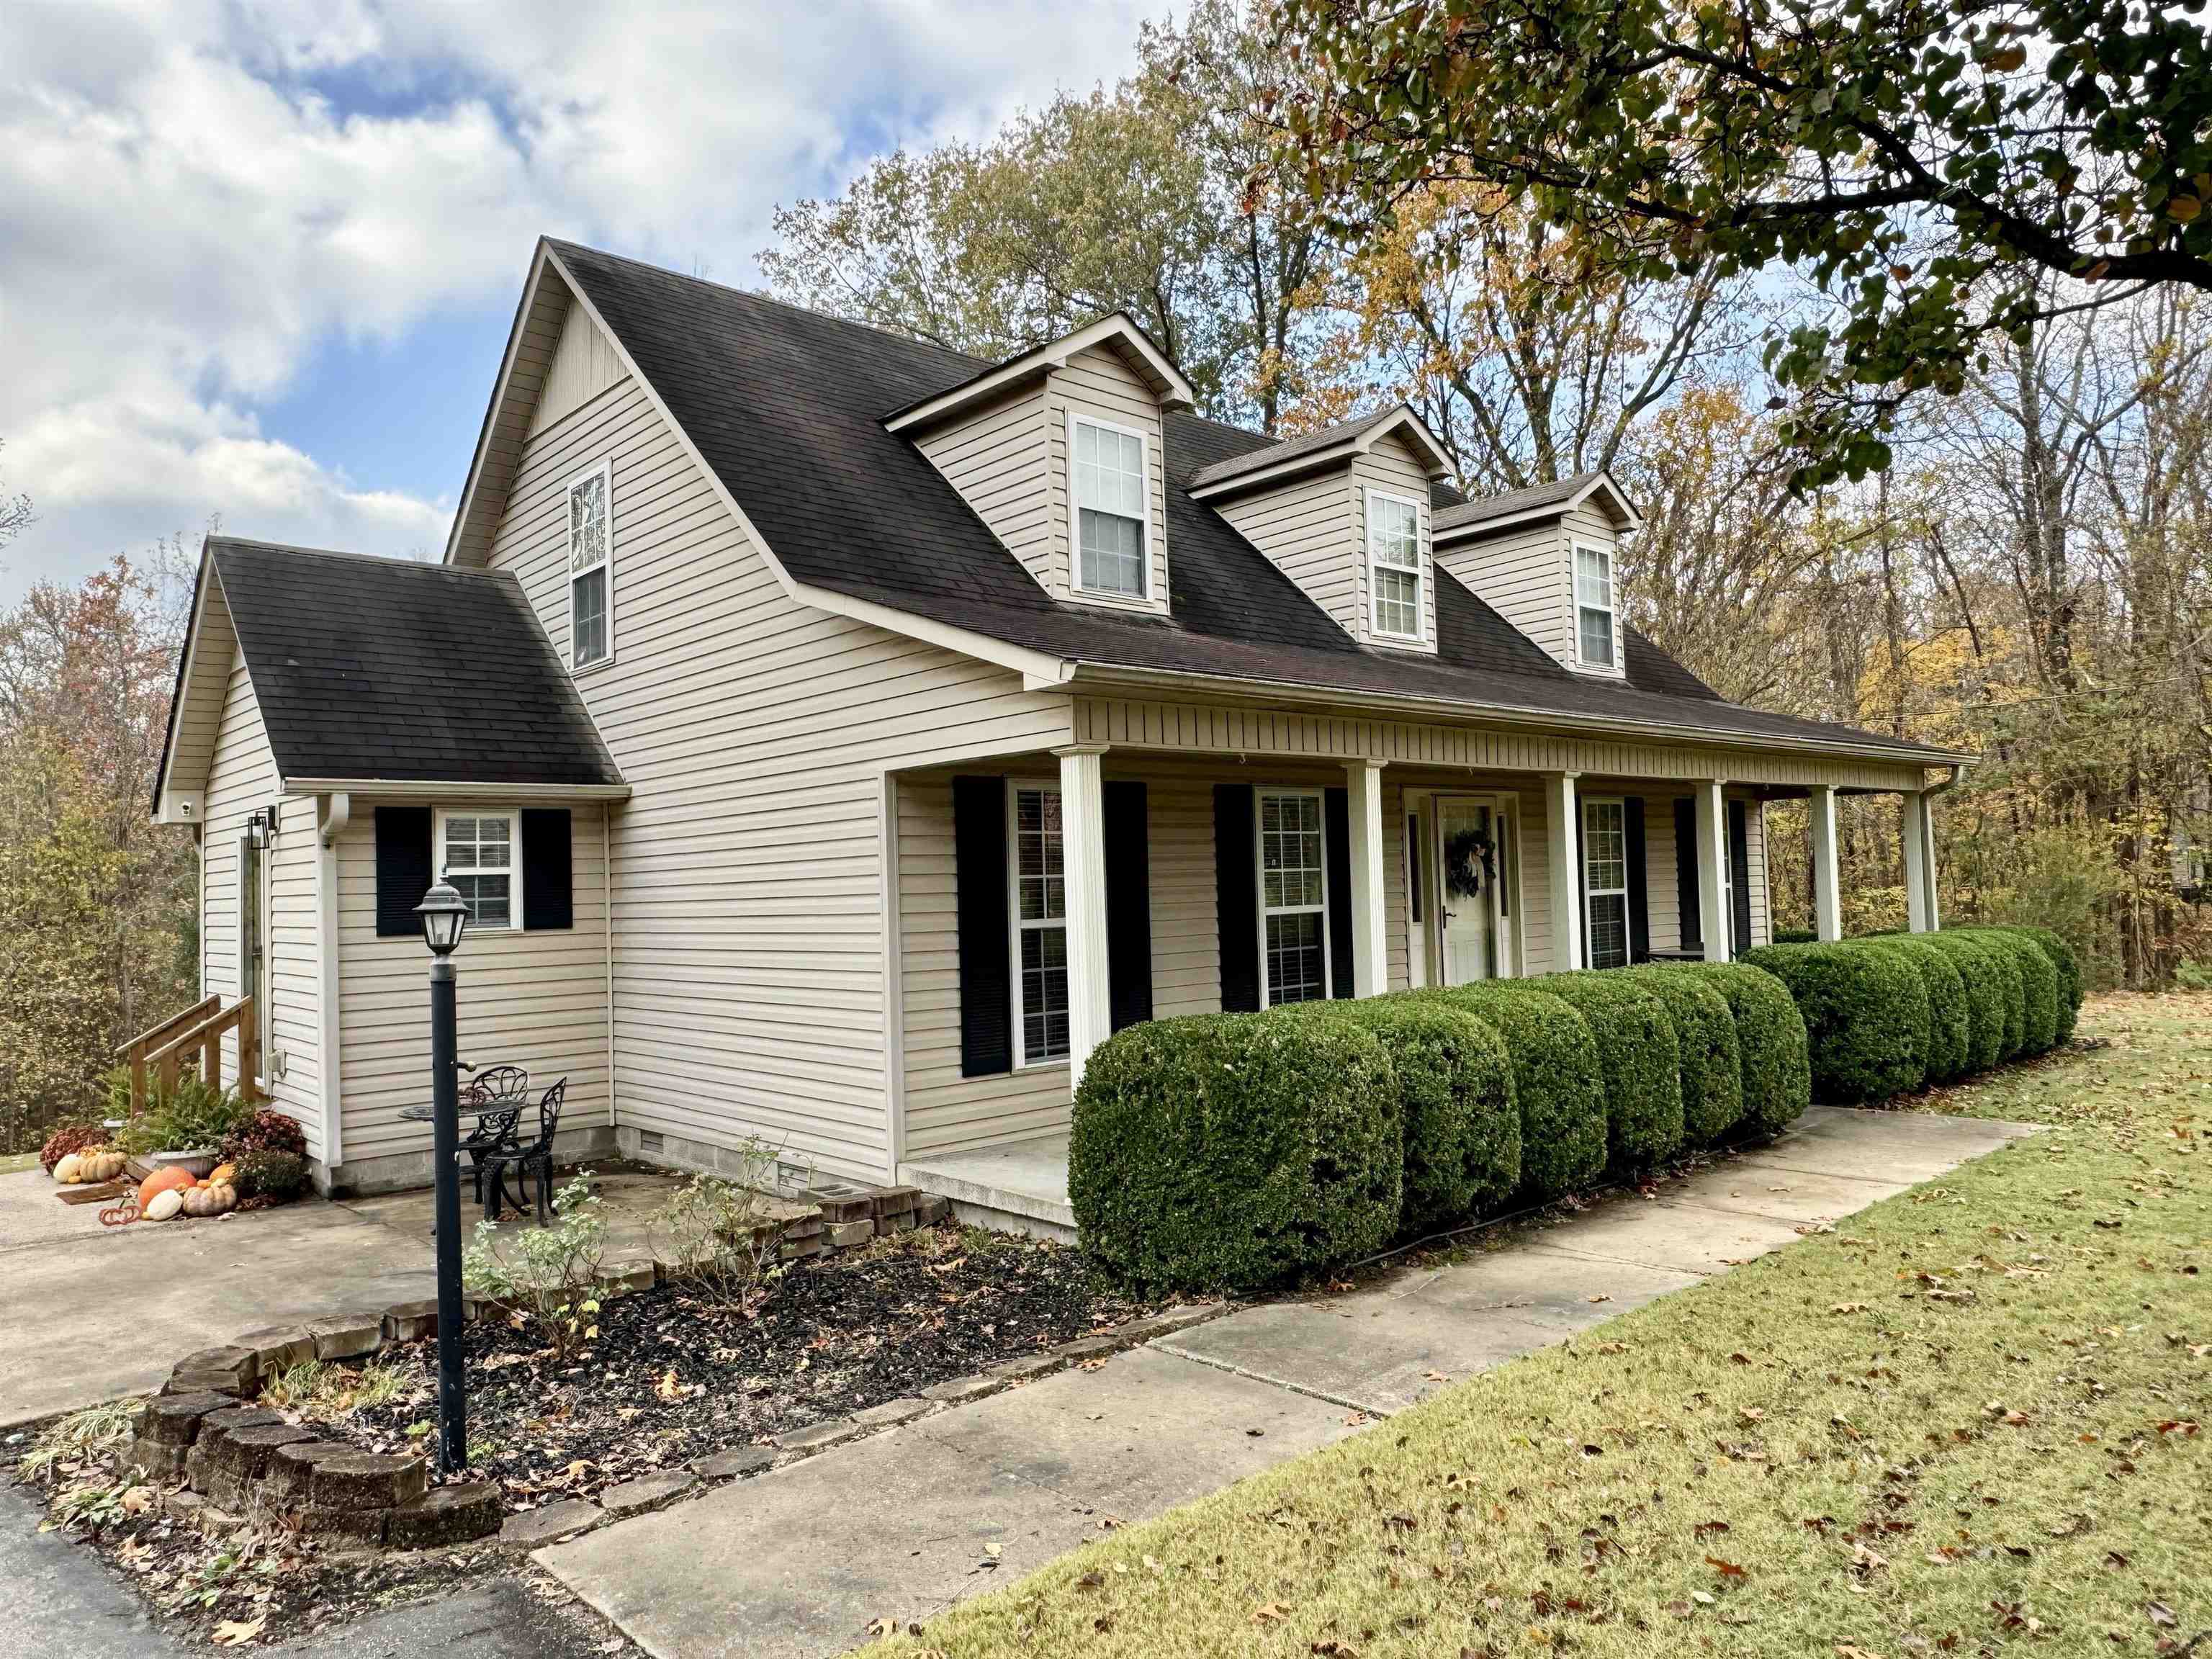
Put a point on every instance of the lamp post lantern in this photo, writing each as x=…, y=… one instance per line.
x=445, y=919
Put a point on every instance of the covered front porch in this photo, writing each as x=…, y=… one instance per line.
x=1182, y=860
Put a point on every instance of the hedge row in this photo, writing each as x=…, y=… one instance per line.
x=1893, y=1014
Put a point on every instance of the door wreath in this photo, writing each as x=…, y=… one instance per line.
x=1470, y=862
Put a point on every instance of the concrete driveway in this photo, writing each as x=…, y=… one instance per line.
x=94, y=1313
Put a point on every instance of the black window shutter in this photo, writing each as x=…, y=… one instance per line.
x=403, y=868
x=1686, y=874
x=1235, y=898
x=979, y=874
x=1639, y=903
x=1739, y=877
x=549, y=898
x=1336, y=827
x=1128, y=905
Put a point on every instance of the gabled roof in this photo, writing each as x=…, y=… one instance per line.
x=1543, y=500
x=784, y=410
x=1311, y=450
x=1117, y=329
x=382, y=670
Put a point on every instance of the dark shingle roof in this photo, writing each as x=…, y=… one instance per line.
x=1288, y=450
x=380, y=668
x=1512, y=502
x=786, y=406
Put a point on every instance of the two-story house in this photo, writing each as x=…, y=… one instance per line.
x=837, y=738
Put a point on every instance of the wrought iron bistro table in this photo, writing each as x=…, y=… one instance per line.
x=485, y=1111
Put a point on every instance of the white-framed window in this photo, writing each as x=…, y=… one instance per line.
x=1038, y=909
x=1106, y=473
x=1605, y=878
x=1293, y=868
x=481, y=855
x=1596, y=627
x=592, y=567
x=1393, y=566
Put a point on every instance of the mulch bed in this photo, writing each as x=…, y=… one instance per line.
x=670, y=1378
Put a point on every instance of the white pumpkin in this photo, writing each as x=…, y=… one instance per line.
x=165, y=1204
x=70, y=1170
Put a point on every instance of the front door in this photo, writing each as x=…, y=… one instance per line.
x=1473, y=861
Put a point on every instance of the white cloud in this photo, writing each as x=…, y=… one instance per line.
x=194, y=196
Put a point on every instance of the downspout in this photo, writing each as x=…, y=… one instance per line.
x=337, y=813
x=607, y=908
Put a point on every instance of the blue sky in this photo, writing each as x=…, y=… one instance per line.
x=258, y=258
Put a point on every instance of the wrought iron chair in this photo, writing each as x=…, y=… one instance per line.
x=536, y=1157
x=496, y=1095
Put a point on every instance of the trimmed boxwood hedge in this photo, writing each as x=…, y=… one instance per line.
x=1236, y=1150
x=1711, y=1058
x=1866, y=1016
x=1638, y=1057
x=2039, y=979
x=1557, y=1081
x=1989, y=978
x=1460, y=1121
x=1950, y=1018
x=1772, y=1050
x=2070, y=975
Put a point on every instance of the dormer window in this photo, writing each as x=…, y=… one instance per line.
x=1393, y=566
x=1108, y=477
x=1595, y=630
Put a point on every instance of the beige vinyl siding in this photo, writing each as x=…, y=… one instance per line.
x=1309, y=529
x=242, y=778
x=754, y=733
x=1522, y=574
x=537, y=999
x=998, y=458
x=1754, y=861
x=1099, y=383
x=1663, y=892
x=1391, y=466
x=584, y=364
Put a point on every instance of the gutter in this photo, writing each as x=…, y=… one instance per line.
x=1088, y=675
x=451, y=789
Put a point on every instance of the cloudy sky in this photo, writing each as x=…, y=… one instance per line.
x=258, y=257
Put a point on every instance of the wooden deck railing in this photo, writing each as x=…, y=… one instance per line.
x=195, y=1035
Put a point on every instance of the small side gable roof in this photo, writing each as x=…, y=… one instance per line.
x=380, y=671
x=1117, y=329
x=1316, y=449
x=1547, y=501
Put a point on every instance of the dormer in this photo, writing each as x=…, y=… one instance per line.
x=1546, y=559
x=1344, y=512
x=1060, y=452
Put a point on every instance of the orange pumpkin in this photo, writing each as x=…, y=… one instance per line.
x=221, y=1175
x=162, y=1180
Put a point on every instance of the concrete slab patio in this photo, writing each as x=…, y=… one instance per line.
x=796, y=1563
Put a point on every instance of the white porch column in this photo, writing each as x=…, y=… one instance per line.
x=1563, y=837
x=1714, y=915
x=1919, y=865
x=1083, y=861
x=1370, y=951
x=1828, y=896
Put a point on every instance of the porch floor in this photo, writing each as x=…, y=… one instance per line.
x=1020, y=1185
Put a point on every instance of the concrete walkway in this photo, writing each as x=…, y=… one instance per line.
x=797, y=1562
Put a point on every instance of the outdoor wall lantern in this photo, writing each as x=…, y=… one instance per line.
x=445, y=919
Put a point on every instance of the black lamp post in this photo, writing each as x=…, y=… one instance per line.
x=445, y=918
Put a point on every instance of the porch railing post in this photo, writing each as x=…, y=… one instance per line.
x=1370, y=943
x=1563, y=822
x=1827, y=894
x=1919, y=865
x=1083, y=859
x=1714, y=912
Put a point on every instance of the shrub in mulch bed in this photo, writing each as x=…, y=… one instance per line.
x=669, y=1378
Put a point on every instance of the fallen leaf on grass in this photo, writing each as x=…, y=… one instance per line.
x=1270, y=1615
x=1848, y=1307
x=1726, y=1569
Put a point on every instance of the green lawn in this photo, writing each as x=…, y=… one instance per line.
x=1966, y=1421
x=16, y=1163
